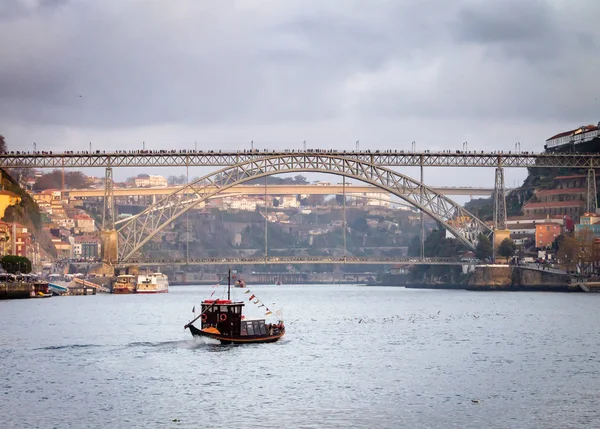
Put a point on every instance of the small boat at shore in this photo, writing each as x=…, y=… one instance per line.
x=224, y=320
x=124, y=284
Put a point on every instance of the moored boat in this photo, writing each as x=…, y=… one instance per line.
x=224, y=320
x=152, y=283
x=124, y=284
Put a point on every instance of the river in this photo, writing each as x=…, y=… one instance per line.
x=353, y=356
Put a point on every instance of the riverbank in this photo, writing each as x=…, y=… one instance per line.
x=506, y=278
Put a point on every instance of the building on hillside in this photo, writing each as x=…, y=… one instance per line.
x=5, y=238
x=142, y=181
x=23, y=245
x=583, y=134
x=289, y=201
x=240, y=203
x=63, y=248
x=84, y=223
x=561, y=194
x=380, y=199
x=47, y=195
x=589, y=221
x=158, y=182
x=86, y=247
x=150, y=181
x=573, y=208
x=546, y=233
x=7, y=199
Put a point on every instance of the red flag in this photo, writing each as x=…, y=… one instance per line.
x=251, y=297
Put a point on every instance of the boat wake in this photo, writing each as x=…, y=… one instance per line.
x=194, y=343
x=69, y=347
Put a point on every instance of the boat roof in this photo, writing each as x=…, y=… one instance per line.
x=126, y=276
x=222, y=302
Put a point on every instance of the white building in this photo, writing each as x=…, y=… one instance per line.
x=240, y=203
x=150, y=181
x=288, y=201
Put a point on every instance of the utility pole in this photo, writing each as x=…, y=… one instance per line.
x=251, y=145
x=357, y=145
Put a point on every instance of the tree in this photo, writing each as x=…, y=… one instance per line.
x=16, y=264
x=53, y=180
x=484, y=248
x=275, y=202
x=507, y=248
x=568, y=252
x=3, y=147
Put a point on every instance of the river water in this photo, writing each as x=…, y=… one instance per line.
x=353, y=356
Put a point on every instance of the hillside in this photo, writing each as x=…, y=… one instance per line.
x=27, y=213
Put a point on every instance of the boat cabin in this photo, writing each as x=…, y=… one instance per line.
x=222, y=314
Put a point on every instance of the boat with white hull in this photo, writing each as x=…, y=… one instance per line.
x=152, y=283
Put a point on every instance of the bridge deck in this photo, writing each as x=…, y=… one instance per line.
x=305, y=260
x=166, y=158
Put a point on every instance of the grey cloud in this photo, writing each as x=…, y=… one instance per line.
x=123, y=65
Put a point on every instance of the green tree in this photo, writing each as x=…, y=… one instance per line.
x=484, y=248
x=16, y=264
x=507, y=248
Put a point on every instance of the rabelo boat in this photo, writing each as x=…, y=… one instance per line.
x=223, y=320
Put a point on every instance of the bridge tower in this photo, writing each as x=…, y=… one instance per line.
x=592, y=199
x=109, y=234
x=500, y=229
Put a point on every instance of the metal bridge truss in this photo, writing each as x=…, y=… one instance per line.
x=310, y=260
x=137, y=230
x=163, y=158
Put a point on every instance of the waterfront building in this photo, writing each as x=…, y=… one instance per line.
x=546, y=233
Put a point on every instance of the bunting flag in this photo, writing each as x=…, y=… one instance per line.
x=248, y=291
x=213, y=292
x=251, y=297
x=262, y=305
x=194, y=309
x=268, y=312
x=257, y=301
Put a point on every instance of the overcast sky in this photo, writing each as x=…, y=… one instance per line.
x=439, y=72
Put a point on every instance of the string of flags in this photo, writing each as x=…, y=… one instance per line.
x=252, y=298
x=257, y=302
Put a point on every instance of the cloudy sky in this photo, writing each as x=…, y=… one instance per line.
x=439, y=72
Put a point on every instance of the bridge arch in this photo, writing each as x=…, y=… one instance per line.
x=137, y=230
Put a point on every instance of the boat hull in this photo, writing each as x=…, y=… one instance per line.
x=236, y=339
x=121, y=291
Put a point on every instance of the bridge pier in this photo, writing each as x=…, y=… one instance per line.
x=592, y=199
x=109, y=242
x=501, y=231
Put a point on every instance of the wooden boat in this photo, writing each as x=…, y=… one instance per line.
x=223, y=320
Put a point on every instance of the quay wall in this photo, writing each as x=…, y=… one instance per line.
x=505, y=278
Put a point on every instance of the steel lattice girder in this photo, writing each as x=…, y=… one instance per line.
x=390, y=159
x=309, y=260
x=137, y=230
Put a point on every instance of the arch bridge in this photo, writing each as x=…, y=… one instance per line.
x=123, y=242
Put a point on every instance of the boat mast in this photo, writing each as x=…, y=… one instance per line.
x=229, y=285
